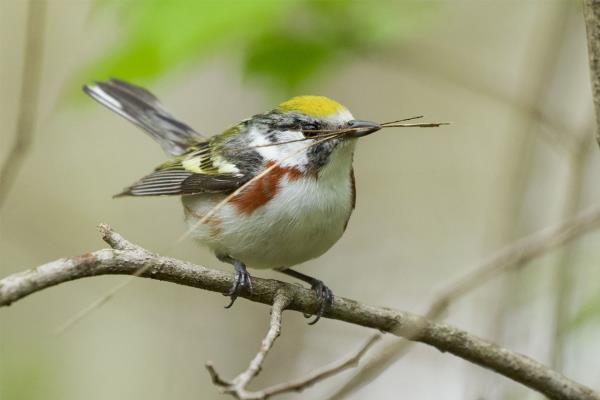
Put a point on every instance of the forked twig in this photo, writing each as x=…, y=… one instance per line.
x=238, y=386
x=418, y=125
x=402, y=120
x=332, y=133
x=399, y=124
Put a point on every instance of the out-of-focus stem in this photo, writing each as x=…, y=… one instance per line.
x=30, y=87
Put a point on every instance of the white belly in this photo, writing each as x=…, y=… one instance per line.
x=304, y=219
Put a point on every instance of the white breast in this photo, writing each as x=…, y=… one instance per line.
x=306, y=217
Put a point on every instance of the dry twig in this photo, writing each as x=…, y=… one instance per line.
x=238, y=386
x=127, y=258
x=325, y=372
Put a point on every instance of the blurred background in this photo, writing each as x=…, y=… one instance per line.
x=511, y=76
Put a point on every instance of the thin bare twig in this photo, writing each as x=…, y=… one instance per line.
x=418, y=125
x=509, y=258
x=30, y=87
x=237, y=387
x=323, y=373
x=444, y=337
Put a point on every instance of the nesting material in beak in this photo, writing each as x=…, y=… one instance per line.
x=362, y=128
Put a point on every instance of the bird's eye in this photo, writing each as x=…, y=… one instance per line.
x=310, y=129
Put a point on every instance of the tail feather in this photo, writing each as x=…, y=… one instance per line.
x=143, y=109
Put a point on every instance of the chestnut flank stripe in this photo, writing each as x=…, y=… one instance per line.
x=264, y=189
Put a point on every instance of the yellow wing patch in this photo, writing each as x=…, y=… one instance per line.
x=204, y=158
x=194, y=165
x=314, y=106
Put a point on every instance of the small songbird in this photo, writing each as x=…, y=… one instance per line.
x=288, y=173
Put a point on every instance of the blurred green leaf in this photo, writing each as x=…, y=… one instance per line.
x=332, y=34
x=160, y=35
x=28, y=376
x=587, y=313
x=284, y=43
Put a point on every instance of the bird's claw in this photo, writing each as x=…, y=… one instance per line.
x=241, y=281
x=325, y=297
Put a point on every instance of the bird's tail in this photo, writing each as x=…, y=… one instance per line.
x=143, y=109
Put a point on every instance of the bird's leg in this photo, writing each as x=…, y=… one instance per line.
x=242, y=279
x=324, y=294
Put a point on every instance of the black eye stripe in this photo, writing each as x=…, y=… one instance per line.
x=307, y=127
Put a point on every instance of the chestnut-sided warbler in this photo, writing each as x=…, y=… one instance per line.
x=295, y=162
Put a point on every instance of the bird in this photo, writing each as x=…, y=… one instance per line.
x=270, y=192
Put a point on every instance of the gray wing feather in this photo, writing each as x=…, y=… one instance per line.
x=143, y=109
x=173, y=182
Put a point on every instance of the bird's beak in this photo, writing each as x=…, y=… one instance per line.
x=362, y=128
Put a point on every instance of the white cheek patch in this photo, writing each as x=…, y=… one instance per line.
x=288, y=154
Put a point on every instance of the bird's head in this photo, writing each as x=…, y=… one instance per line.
x=320, y=113
x=307, y=132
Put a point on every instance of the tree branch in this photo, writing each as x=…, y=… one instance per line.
x=591, y=13
x=127, y=258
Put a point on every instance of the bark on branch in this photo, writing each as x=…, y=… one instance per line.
x=128, y=259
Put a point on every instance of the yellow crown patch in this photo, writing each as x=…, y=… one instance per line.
x=315, y=106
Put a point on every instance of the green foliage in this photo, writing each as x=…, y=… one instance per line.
x=27, y=376
x=159, y=35
x=588, y=312
x=281, y=42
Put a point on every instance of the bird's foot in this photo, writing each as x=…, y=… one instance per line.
x=241, y=281
x=324, y=294
x=325, y=297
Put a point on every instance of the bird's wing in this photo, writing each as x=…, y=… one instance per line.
x=143, y=109
x=199, y=170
